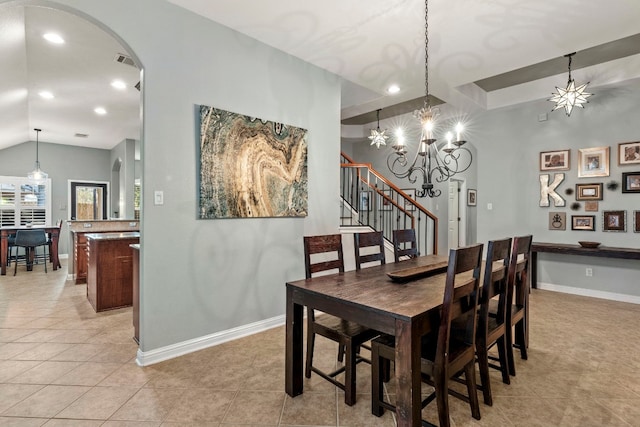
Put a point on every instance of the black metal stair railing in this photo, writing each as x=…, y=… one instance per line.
x=369, y=199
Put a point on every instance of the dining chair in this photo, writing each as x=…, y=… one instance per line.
x=518, y=299
x=374, y=239
x=11, y=240
x=349, y=335
x=492, y=317
x=449, y=350
x=30, y=240
x=404, y=244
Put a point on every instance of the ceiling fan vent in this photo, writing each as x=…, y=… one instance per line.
x=124, y=59
x=81, y=135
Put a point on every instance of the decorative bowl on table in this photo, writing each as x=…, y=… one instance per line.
x=591, y=245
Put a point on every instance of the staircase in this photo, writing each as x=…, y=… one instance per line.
x=370, y=200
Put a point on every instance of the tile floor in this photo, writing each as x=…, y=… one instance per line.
x=61, y=364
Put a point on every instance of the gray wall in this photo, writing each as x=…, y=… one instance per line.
x=509, y=142
x=200, y=277
x=62, y=163
x=123, y=203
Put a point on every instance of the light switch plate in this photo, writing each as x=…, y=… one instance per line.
x=158, y=197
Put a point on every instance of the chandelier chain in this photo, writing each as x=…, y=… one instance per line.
x=426, y=54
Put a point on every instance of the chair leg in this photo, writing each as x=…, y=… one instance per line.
x=377, y=375
x=521, y=338
x=504, y=362
x=483, y=367
x=442, y=398
x=350, y=375
x=470, y=376
x=341, y=351
x=311, y=337
x=511, y=360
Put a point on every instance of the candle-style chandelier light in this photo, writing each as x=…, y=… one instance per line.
x=431, y=163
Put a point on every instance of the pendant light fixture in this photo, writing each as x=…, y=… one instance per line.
x=378, y=136
x=37, y=175
x=572, y=96
x=430, y=162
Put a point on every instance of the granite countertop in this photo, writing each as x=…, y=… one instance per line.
x=113, y=236
x=135, y=246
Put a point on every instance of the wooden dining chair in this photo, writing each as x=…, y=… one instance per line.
x=518, y=299
x=404, y=244
x=30, y=240
x=449, y=350
x=349, y=335
x=366, y=241
x=492, y=316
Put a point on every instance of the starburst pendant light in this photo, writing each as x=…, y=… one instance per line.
x=37, y=175
x=378, y=136
x=572, y=96
x=431, y=163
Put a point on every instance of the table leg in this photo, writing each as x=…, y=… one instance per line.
x=407, y=364
x=294, y=356
x=4, y=245
x=55, y=260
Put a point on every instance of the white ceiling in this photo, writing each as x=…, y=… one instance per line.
x=370, y=44
x=374, y=43
x=78, y=73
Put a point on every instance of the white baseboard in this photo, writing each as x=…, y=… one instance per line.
x=146, y=358
x=633, y=299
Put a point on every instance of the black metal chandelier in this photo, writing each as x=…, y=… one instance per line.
x=431, y=163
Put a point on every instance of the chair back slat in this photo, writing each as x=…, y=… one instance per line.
x=373, y=239
x=328, y=245
x=518, y=280
x=464, y=264
x=404, y=244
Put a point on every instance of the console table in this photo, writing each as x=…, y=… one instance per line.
x=561, y=248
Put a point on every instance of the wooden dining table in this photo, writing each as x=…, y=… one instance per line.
x=5, y=232
x=407, y=310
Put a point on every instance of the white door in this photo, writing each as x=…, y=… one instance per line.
x=454, y=214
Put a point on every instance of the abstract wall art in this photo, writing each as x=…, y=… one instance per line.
x=250, y=168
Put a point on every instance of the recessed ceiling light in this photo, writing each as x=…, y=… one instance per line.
x=119, y=84
x=53, y=38
x=100, y=110
x=393, y=89
x=46, y=94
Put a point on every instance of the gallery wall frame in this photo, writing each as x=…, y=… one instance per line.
x=614, y=221
x=385, y=201
x=365, y=201
x=631, y=182
x=589, y=191
x=472, y=197
x=557, y=221
x=583, y=222
x=591, y=206
x=411, y=192
x=593, y=162
x=555, y=160
x=629, y=153
x=636, y=221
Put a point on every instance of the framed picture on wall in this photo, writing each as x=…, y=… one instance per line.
x=583, y=222
x=629, y=153
x=365, y=201
x=636, y=221
x=411, y=192
x=555, y=160
x=589, y=191
x=385, y=203
x=557, y=221
x=631, y=182
x=591, y=206
x=472, y=197
x=614, y=221
x=593, y=162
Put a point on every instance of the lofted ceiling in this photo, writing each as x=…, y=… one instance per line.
x=78, y=73
x=483, y=54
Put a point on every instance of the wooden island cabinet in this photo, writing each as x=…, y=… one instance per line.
x=110, y=269
x=79, y=230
